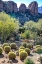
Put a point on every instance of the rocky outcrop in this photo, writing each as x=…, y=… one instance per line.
x=22, y=8
x=1, y=5
x=30, y=14
x=10, y=6
x=15, y=7
x=33, y=7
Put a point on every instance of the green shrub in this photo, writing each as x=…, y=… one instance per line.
x=28, y=61
x=8, y=26
x=27, y=50
x=39, y=50
x=21, y=47
x=13, y=46
x=25, y=35
x=1, y=50
x=7, y=49
x=5, y=44
x=23, y=55
x=38, y=41
x=11, y=55
x=29, y=45
x=25, y=44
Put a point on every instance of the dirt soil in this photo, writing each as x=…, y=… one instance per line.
x=5, y=60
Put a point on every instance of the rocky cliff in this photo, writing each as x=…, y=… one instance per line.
x=23, y=14
x=8, y=6
x=33, y=7
x=11, y=6
x=22, y=8
x=1, y=5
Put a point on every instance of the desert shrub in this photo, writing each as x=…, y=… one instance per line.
x=39, y=50
x=11, y=55
x=7, y=49
x=29, y=45
x=25, y=44
x=28, y=61
x=33, y=35
x=21, y=47
x=23, y=55
x=5, y=44
x=7, y=26
x=25, y=35
x=38, y=41
x=27, y=50
x=1, y=50
x=38, y=46
x=13, y=46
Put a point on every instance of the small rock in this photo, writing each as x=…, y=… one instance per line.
x=34, y=51
x=3, y=61
x=17, y=53
x=10, y=61
x=38, y=59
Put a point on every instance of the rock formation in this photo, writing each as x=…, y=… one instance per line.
x=33, y=7
x=23, y=14
x=15, y=7
x=1, y=5
x=22, y=8
x=10, y=6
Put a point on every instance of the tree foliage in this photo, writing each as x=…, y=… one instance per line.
x=7, y=26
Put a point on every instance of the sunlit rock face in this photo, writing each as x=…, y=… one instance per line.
x=22, y=8
x=1, y=5
x=33, y=7
x=10, y=6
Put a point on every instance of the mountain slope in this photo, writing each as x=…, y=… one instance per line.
x=40, y=9
x=27, y=16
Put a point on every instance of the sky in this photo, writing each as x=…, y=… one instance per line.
x=26, y=2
